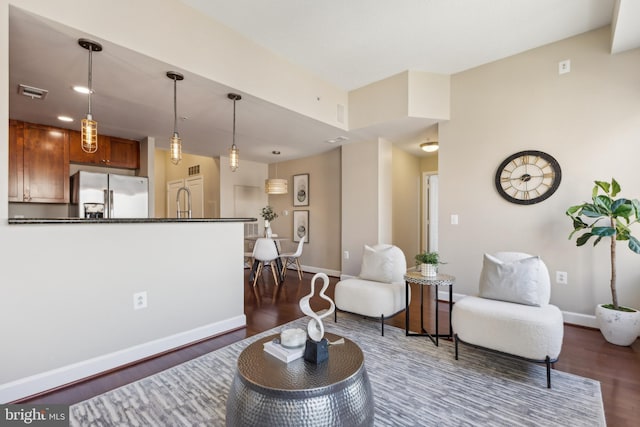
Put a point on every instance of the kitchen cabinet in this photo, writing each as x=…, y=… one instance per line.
x=38, y=163
x=112, y=152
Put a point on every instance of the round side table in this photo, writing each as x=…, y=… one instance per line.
x=437, y=281
x=269, y=392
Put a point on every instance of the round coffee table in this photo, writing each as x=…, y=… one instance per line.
x=267, y=391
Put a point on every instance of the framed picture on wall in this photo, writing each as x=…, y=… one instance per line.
x=300, y=225
x=301, y=190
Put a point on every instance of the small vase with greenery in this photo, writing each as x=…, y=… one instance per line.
x=428, y=262
x=606, y=216
x=268, y=214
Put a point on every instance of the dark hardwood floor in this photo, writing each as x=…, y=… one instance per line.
x=584, y=351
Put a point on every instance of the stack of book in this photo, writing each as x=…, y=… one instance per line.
x=283, y=353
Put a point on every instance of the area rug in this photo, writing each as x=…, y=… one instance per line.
x=414, y=382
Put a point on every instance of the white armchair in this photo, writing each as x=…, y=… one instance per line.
x=379, y=290
x=512, y=314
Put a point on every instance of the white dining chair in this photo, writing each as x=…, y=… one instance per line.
x=292, y=259
x=265, y=253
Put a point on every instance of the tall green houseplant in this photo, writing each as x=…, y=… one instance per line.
x=606, y=216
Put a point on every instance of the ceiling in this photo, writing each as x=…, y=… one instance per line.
x=347, y=43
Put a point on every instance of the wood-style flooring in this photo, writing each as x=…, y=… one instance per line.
x=584, y=351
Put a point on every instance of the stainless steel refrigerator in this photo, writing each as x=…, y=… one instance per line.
x=102, y=195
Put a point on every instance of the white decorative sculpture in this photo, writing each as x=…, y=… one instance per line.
x=315, y=329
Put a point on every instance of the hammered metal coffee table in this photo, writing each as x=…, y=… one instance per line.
x=268, y=392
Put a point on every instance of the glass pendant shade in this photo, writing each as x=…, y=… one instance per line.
x=89, y=135
x=89, y=127
x=234, y=158
x=175, y=143
x=234, y=153
x=276, y=186
x=175, y=148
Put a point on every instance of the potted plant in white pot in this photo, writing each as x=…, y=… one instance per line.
x=606, y=216
x=428, y=262
x=268, y=214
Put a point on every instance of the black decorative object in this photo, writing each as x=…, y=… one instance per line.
x=316, y=351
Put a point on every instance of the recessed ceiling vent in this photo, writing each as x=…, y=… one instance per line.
x=32, y=92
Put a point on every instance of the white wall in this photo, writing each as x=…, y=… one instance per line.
x=589, y=120
x=248, y=174
x=67, y=296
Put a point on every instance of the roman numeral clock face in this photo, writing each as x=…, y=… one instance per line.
x=528, y=177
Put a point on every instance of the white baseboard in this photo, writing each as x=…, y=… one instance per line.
x=44, y=381
x=309, y=269
x=580, y=319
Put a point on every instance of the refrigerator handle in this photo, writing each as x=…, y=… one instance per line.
x=107, y=205
x=110, y=203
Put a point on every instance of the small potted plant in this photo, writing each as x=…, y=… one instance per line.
x=428, y=262
x=606, y=216
x=268, y=214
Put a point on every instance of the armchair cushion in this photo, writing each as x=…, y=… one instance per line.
x=377, y=264
x=512, y=281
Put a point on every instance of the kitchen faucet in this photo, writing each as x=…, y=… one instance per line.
x=188, y=211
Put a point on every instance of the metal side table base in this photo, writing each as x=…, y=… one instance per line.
x=422, y=281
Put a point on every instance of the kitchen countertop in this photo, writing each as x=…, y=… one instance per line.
x=121, y=220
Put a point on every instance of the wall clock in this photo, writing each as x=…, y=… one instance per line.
x=528, y=177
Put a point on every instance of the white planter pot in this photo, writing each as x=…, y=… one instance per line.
x=429, y=270
x=618, y=327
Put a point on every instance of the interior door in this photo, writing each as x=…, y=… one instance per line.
x=195, y=184
x=430, y=212
x=172, y=192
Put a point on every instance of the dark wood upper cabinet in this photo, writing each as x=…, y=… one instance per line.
x=112, y=152
x=124, y=153
x=38, y=163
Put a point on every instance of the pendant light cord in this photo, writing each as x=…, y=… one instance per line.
x=234, y=123
x=175, y=107
x=90, y=78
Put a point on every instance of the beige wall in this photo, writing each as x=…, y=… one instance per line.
x=429, y=163
x=323, y=250
x=408, y=94
x=589, y=120
x=406, y=203
x=366, y=199
x=167, y=171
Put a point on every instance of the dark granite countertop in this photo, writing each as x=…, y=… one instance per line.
x=121, y=220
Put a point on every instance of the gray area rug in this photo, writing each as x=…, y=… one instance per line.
x=414, y=384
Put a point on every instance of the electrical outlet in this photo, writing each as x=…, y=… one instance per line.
x=140, y=300
x=454, y=219
x=561, y=277
x=564, y=66
x=346, y=254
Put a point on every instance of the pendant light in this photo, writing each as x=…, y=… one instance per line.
x=275, y=185
x=89, y=127
x=234, y=153
x=175, y=146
